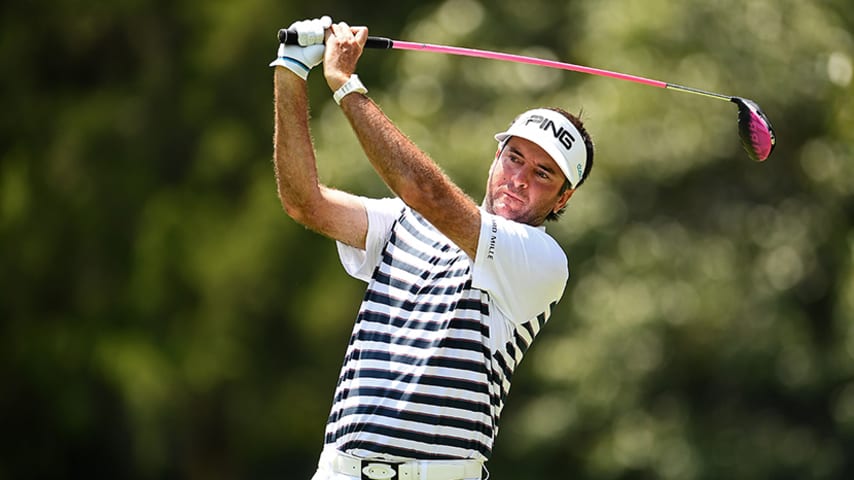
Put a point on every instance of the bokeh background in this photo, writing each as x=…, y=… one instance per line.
x=162, y=318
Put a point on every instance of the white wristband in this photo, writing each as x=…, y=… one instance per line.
x=352, y=85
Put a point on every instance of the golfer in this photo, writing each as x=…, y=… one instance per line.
x=456, y=292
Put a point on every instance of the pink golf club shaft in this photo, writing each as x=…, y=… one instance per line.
x=470, y=52
x=509, y=57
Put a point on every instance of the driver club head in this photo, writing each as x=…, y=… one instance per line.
x=755, y=130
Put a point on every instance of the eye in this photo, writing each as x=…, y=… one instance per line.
x=543, y=174
x=513, y=158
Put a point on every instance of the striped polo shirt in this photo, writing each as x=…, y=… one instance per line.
x=437, y=337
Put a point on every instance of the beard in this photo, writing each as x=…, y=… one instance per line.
x=521, y=215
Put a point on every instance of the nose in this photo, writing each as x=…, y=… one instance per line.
x=519, y=178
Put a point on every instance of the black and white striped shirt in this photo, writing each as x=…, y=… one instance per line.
x=437, y=338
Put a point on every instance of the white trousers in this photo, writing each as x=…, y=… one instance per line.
x=325, y=471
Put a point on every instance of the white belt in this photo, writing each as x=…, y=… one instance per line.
x=375, y=469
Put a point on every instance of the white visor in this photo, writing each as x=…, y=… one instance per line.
x=555, y=134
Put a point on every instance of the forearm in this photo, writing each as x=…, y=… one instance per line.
x=293, y=152
x=408, y=171
x=411, y=174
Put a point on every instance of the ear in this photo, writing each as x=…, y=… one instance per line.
x=562, y=199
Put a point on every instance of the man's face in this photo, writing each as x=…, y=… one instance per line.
x=525, y=183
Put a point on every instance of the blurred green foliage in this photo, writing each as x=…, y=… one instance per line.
x=162, y=317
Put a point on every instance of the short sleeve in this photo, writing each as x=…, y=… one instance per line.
x=523, y=269
x=382, y=213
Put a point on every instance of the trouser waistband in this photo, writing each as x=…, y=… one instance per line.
x=375, y=469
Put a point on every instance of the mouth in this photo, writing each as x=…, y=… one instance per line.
x=508, y=196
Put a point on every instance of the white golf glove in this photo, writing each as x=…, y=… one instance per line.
x=301, y=58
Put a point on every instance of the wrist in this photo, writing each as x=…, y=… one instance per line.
x=287, y=78
x=352, y=85
x=298, y=68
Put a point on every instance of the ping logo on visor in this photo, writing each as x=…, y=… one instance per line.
x=555, y=134
x=561, y=134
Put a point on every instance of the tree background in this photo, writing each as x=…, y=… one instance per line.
x=163, y=318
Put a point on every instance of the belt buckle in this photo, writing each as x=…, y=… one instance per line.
x=379, y=470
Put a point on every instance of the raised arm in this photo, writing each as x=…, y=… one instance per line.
x=333, y=213
x=408, y=171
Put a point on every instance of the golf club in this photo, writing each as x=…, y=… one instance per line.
x=754, y=128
